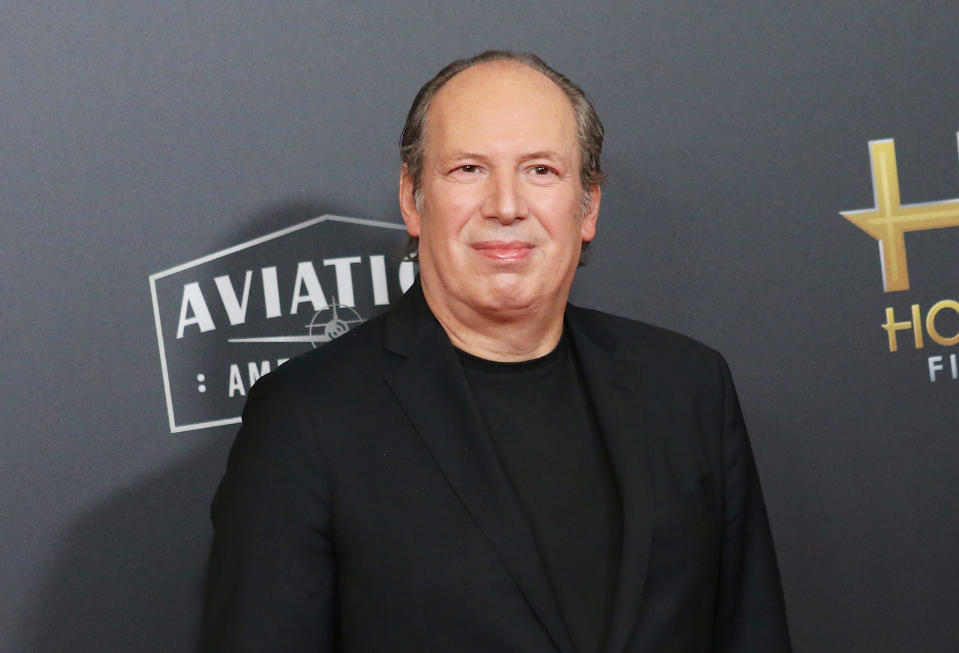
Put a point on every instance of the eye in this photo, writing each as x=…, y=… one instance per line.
x=469, y=167
x=542, y=171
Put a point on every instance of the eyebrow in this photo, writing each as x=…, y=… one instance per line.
x=467, y=155
x=542, y=154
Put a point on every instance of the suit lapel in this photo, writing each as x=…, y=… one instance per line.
x=616, y=392
x=430, y=385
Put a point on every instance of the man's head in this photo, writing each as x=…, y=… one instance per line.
x=589, y=129
x=501, y=182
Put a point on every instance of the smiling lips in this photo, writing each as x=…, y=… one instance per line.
x=500, y=250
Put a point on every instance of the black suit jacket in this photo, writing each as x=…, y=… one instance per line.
x=364, y=508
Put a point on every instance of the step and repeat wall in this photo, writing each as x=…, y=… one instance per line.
x=192, y=194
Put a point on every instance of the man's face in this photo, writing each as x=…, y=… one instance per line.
x=500, y=220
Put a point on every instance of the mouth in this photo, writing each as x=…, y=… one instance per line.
x=506, y=251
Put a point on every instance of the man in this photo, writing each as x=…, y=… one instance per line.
x=505, y=472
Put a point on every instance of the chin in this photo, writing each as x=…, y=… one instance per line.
x=509, y=296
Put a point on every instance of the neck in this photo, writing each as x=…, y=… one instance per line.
x=498, y=336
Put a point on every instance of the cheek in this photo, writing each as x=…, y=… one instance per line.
x=447, y=213
x=463, y=202
x=561, y=219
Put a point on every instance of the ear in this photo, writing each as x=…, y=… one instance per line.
x=588, y=226
x=411, y=214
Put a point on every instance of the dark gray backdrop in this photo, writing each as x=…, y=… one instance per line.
x=138, y=135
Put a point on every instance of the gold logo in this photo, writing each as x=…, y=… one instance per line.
x=889, y=221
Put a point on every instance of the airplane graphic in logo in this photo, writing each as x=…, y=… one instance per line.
x=889, y=220
x=339, y=320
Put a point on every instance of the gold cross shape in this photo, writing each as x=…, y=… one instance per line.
x=890, y=220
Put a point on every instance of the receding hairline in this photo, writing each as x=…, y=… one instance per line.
x=505, y=64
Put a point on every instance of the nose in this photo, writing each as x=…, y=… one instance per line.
x=504, y=199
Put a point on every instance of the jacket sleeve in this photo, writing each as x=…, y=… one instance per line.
x=270, y=579
x=750, y=610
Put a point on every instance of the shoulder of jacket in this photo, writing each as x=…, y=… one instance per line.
x=329, y=364
x=629, y=334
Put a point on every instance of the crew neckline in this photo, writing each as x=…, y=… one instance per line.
x=474, y=362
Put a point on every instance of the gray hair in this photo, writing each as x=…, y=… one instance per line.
x=589, y=129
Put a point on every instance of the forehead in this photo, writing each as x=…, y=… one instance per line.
x=500, y=103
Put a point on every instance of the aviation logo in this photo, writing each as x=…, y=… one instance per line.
x=888, y=222
x=228, y=318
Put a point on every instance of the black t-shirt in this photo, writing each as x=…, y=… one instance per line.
x=543, y=429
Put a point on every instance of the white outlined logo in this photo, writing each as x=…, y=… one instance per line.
x=225, y=319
